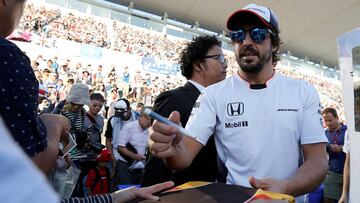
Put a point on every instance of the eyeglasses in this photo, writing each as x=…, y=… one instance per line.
x=120, y=110
x=219, y=57
x=78, y=105
x=97, y=106
x=257, y=35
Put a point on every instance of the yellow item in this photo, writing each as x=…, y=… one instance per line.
x=262, y=194
x=189, y=185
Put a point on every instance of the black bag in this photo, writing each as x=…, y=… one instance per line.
x=132, y=149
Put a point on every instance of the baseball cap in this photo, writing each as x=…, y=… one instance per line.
x=51, y=85
x=122, y=105
x=43, y=91
x=264, y=14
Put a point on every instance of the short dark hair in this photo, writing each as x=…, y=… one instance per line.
x=194, y=51
x=330, y=110
x=97, y=96
x=71, y=81
x=275, y=41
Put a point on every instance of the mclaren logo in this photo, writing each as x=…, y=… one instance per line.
x=235, y=109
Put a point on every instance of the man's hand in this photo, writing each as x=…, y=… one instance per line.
x=336, y=148
x=139, y=157
x=269, y=184
x=164, y=139
x=343, y=199
x=142, y=193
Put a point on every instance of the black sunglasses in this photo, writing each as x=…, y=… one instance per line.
x=78, y=105
x=121, y=110
x=257, y=35
x=219, y=57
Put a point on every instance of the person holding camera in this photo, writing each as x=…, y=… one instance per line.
x=93, y=121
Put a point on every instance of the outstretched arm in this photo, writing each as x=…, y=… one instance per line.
x=308, y=177
x=146, y=193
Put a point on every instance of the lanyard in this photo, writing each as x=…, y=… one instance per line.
x=335, y=136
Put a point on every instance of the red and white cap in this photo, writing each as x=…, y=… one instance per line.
x=264, y=14
x=43, y=91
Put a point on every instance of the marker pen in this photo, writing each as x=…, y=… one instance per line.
x=162, y=119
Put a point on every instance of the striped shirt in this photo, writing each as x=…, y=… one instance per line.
x=76, y=119
x=106, y=198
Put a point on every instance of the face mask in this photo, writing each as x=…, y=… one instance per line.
x=121, y=115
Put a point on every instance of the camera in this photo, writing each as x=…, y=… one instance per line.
x=88, y=149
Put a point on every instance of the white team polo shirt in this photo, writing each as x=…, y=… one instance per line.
x=258, y=132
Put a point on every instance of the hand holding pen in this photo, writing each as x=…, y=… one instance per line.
x=166, y=134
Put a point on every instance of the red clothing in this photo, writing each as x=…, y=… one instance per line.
x=102, y=184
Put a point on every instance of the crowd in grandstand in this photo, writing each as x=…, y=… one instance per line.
x=137, y=86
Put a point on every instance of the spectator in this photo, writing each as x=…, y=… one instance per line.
x=123, y=115
x=125, y=82
x=37, y=135
x=98, y=178
x=335, y=134
x=111, y=101
x=130, y=164
x=93, y=120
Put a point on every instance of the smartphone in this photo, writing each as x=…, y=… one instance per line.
x=356, y=81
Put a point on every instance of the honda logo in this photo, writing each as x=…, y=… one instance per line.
x=235, y=109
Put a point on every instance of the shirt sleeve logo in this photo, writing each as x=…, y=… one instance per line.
x=235, y=109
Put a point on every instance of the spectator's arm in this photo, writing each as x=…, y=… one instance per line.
x=346, y=180
x=106, y=198
x=56, y=126
x=125, y=152
x=108, y=135
x=108, y=143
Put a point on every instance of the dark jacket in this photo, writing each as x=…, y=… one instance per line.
x=204, y=166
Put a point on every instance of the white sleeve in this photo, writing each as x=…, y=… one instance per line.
x=21, y=180
x=346, y=147
x=202, y=120
x=311, y=128
x=124, y=137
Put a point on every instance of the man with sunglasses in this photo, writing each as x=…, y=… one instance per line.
x=122, y=116
x=93, y=121
x=203, y=64
x=267, y=126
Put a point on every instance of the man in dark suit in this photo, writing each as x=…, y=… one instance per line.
x=202, y=63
